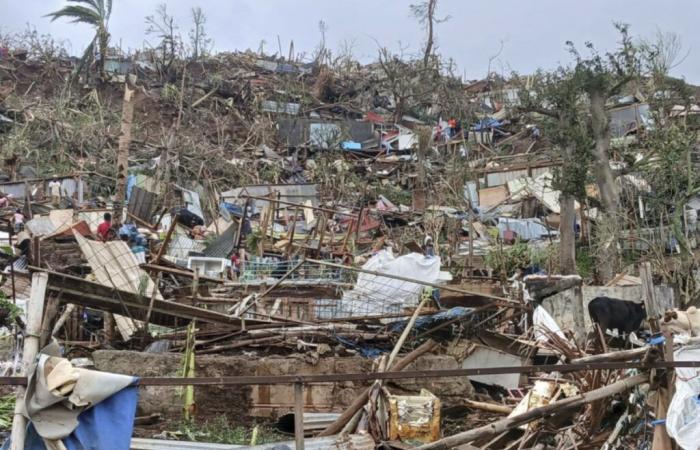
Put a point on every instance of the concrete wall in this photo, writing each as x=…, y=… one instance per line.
x=266, y=401
x=560, y=306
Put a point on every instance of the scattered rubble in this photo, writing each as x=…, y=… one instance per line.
x=282, y=237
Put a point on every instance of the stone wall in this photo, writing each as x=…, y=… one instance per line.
x=561, y=305
x=264, y=401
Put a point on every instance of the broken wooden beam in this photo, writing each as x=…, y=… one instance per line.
x=178, y=272
x=336, y=426
x=510, y=423
x=490, y=407
x=93, y=295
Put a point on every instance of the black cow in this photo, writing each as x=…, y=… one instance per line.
x=612, y=313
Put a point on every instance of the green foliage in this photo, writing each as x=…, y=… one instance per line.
x=170, y=94
x=7, y=410
x=395, y=194
x=505, y=260
x=8, y=311
x=220, y=431
x=557, y=97
x=585, y=262
x=252, y=240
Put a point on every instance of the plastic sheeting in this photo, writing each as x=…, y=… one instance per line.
x=107, y=425
x=378, y=295
x=683, y=417
x=526, y=229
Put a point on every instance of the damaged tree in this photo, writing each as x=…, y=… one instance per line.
x=425, y=13
x=602, y=77
x=556, y=96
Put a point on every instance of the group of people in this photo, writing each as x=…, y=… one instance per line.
x=453, y=129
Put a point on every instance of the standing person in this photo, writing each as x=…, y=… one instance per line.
x=452, y=123
x=428, y=247
x=235, y=266
x=18, y=220
x=55, y=191
x=103, y=229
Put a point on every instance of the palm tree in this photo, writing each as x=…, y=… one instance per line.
x=92, y=12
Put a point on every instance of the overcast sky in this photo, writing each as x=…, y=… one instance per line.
x=533, y=32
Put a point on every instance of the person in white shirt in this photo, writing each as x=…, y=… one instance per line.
x=55, y=191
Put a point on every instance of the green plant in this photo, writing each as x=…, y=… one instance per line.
x=7, y=411
x=505, y=260
x=96, y=13
x=220, y=431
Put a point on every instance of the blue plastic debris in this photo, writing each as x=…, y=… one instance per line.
x=367, y=352
x=427, y=322
x=656, y=340
x=351, y=145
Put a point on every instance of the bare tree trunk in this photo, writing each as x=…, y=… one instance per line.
x=607, y=257
x=429, y=42
x=601, y=133
x=123, y=151
x=567, y=235
x=103, y=39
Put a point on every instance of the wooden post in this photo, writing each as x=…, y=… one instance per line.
x=299, y=415
x=195, y=285
x=49, y=314
x=579, y=318
x=648, y=295
x=290, y=233
x=150, y=305
x=35, y=312
x=123, y=152
x=166, y=241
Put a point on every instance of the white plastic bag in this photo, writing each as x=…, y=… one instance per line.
x=683, y=416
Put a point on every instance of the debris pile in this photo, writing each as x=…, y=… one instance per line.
x=329, y=241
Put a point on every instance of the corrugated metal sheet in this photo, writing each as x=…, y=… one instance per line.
x=191, y=200
x=93, y=218
x=114, y=265
x=40, y=226
x=181, y=245
x=501, y=178
x=540, y=188
x=492, y=196
x=350, y=442
x=223, y=245
x=539, y=171
x=471, y=193
x=280, y=108
x=294, y=193
x=297, y=131
x=141, y=204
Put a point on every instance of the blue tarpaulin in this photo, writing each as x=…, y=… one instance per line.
x=367, y=352
x=107, y=425
x=486, y=124
x=426, y=322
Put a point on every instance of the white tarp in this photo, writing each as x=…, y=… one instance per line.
x=377, y=295
x=545, y=325
x=683, y=416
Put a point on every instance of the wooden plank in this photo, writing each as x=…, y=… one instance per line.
x=82, y=292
